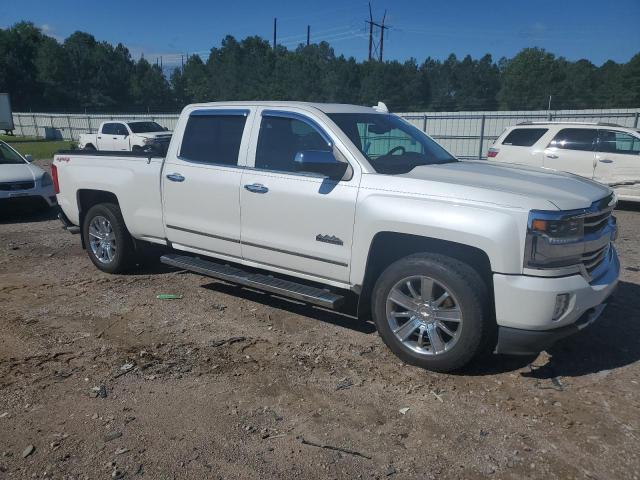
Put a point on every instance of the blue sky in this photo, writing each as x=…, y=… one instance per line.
x=596, y=30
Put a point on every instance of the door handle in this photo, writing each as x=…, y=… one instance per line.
x=175, y=177
x=551, y=155
x=99, y=137
x=605, y=160
x=256, y=188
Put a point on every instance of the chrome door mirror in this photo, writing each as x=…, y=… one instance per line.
x=320, y=161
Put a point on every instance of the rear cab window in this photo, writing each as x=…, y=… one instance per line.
x=524, y=137
x=213, y=136
x=583, y=139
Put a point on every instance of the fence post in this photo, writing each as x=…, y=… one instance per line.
x=89, y=124
x=424, y=123
x=481, y=145
x=19, y=117
x=70, y=130
x=550, y=116
x=35, y=125
x=635, y=122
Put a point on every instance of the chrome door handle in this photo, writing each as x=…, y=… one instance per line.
x=175, y=177
x=256, y=188
x=551, y=155
x=605, y=160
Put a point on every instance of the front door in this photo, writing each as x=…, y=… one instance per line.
x=201, y=183
x=618, y=158
x=301, y=223
x=572, y=150
x=120, y=141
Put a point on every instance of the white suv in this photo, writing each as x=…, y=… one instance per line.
x=604, y=152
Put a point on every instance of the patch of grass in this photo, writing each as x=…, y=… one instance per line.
x=39, y=148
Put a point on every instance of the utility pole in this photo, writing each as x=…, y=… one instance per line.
x=308, y=34
x=382, y=27
x=275, y=29
x=370, y=22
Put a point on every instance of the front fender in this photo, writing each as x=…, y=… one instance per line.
x=498, y=231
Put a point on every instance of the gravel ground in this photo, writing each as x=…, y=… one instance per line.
x=99, y=379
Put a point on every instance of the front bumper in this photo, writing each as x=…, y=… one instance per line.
x=525, y=306
x=32, y=195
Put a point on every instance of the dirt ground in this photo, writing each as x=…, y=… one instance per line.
x=99, y=379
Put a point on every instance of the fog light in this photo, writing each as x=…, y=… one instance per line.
x=562, y=304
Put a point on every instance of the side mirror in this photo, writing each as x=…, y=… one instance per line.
x=320, y=161
x=166, y=129
x=28, y=157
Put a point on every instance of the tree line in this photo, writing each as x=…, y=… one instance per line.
x=81, y=73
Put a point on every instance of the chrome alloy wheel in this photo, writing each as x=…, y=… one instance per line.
x=102, y=239
x=424, y=315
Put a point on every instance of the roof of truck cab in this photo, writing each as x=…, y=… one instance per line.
x=323, y=107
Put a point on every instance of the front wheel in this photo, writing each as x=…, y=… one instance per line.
x=433, y=311
x=107, y=239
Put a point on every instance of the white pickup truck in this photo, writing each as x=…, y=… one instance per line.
x=138, y=136
x=337, y=204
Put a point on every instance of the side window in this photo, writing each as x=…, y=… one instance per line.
x=611, y=141
x=213, y=138
x=120, y=129
x=524, y=137
x=281, y=138
x=109, y=129
x=575, y=139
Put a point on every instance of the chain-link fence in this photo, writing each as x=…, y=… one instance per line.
x=465, y=134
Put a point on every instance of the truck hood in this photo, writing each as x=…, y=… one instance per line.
x=564, y=190
x=19, y=172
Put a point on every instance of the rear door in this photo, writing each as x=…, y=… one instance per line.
x=201, y=182
x=105, y=136
x=618, y=157
x=573, y=150
x=299, y=222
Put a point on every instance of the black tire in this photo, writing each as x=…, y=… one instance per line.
x=137, y=149
x=477, y=329
x=125, y=256
x=89, y=147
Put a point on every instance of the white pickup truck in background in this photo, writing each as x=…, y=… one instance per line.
x=340, y=205
x=135, y=136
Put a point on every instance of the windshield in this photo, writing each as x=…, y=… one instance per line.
x=145, y=127
x=8, y=156
x=390, y=144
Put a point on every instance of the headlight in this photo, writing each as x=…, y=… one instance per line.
x=147, y=141
x=554, y=239
x=46, y=181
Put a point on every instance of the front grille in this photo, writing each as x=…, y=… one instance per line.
x=15, y=186
x=595, y=222
x=592, y=260
x=596, y=225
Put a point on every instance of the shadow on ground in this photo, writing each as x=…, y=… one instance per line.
x=317, y=313
x=26, y=213
x=611, y=342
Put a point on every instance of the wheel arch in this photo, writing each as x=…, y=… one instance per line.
x=388, y=247
x=87, y=198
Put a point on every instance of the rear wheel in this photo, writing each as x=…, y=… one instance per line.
x=89, y=147
x=432, y=311
x=107, y=239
